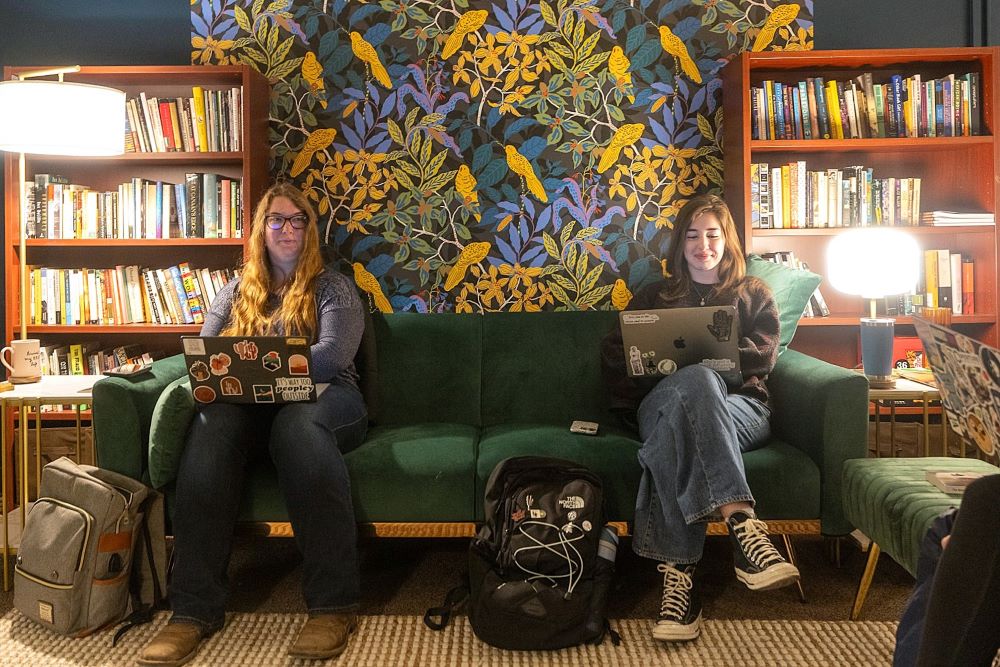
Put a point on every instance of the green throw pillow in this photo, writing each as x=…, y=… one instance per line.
x=792, y=289
x=168, y=431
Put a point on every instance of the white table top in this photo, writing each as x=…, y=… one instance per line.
x=53, y=387
x=905, y=389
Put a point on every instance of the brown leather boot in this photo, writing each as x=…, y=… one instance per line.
x=176, y=644
x=324, y=636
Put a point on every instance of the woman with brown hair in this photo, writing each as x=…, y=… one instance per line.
x=283, y=289
x=694, y=427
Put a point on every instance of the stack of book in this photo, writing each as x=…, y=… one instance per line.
x=792, y=196
x=945, y=218
x=208, y=121
x=861, y=108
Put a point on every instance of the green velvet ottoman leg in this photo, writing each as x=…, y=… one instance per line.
x=866, y=580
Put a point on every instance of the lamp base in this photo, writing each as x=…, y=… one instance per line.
x=881, y=381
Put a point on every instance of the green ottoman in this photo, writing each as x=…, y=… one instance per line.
x=891, y=502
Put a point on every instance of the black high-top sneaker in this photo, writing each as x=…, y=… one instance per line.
x=758, y=564
x=680, y=608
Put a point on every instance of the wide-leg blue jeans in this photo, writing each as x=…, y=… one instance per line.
x=306, y=442
x=693, y=434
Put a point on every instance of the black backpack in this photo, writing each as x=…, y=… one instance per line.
x=541, y=565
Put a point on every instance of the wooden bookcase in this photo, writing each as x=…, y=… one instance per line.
x=105, y=173
x=956, y=172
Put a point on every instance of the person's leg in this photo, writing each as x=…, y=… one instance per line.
x=911, y=623
x=691, y=463
x=962, y=625
x=692, y=466
x=307, y=443
x=209, y=485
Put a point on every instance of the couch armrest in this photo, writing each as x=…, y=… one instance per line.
x=821, y=409
x=122, y=409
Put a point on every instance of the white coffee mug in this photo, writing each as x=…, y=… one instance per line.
x=25, y=363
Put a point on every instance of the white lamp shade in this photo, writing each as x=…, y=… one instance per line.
x=873, y=262
x=61, y=118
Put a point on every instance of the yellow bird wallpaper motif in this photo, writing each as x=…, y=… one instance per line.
x=496, y=155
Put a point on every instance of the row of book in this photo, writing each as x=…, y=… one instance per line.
x=948, y=281
x=205, y=205
x=816, y=307
x=208, y=121
x=90, y=358
x=949, y=106
x=123, y=294
x=952, y=218
x=792, y=196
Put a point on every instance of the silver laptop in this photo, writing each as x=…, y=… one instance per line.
x=658, y=342
x=967, y=374
x=249, y=369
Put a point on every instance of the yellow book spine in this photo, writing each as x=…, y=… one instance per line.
x=833, y=108
x=786, y=196
x=769, y=94
x=931, y=278
x=199, y=118
x=38, y=288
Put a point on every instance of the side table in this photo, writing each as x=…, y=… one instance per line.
x=51, y=390
x=907, y=390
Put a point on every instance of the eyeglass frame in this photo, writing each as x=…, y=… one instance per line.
x=286, y=219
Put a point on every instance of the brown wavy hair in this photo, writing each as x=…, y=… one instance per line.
x=297, y=313
x=732, y=266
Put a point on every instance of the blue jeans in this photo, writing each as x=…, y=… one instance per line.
x=693, y=434
x=306, y=442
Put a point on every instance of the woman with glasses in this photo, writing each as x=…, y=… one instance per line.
x=283, y=289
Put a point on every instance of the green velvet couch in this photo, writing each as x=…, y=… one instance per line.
x=458, y=393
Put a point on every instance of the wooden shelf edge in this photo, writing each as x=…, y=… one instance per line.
x=842, y=320
x=878, y=143
x=915, y=229
x=130, y=329
x=144, y=243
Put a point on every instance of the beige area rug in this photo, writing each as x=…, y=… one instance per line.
x=389, y=641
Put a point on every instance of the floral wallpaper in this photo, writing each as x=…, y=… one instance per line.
x=505, y=155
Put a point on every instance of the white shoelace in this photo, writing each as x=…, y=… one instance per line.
x=676, y=592
x=752, y=533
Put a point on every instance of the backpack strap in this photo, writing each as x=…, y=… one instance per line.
x=452, y=601
x=141, y=614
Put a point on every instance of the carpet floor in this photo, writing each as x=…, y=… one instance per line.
x=401, y=578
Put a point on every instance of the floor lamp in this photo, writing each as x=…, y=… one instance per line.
x=55, y=118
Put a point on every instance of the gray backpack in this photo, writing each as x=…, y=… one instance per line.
x=88, y=556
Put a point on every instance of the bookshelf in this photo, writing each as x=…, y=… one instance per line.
x=956, y=172
x=248, y=166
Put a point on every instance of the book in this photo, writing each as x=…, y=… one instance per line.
x=968, y=285
x=952, y=482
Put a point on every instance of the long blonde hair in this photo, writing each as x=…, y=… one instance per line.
x=732, y=266
x=297, y=313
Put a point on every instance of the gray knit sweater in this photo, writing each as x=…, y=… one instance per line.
x=340, y=324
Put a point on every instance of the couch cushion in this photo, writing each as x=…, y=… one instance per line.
x=785, y=482
x=172, y=415
x=422, y=472
x=544, y=367
x=791, y=288
x=611, y=454
x=429, y=368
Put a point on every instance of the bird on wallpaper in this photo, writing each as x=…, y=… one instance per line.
x=620, y=295
x=673, y=45
x=312, y=74
x=470, y=22
x=520, y=166
x=626, y=135
x=471, y=254
x=366, y=53
x=317, y=141
x=465, y=184
x=369, y=283
x=618, y=64
x=780, y=17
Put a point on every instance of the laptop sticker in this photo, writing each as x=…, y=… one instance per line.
x=246, y=350
x=721, y=326
x=204, y=394
x=271, y=361
x=298, y=365
x=220, y=363
x=230, y=386
x=199, y=371
x=263, y=393
x=293, y=389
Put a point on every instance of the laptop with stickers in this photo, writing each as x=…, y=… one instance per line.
x=249, y=369
x=658, y=342
x=967, y=373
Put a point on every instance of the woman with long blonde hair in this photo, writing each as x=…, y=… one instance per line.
x=694, y=426
x=283, y=289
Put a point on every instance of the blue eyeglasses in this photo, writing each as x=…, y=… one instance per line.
x=277, y=221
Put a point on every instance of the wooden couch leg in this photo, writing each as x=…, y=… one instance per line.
x=866, y=580
x=791, y=559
